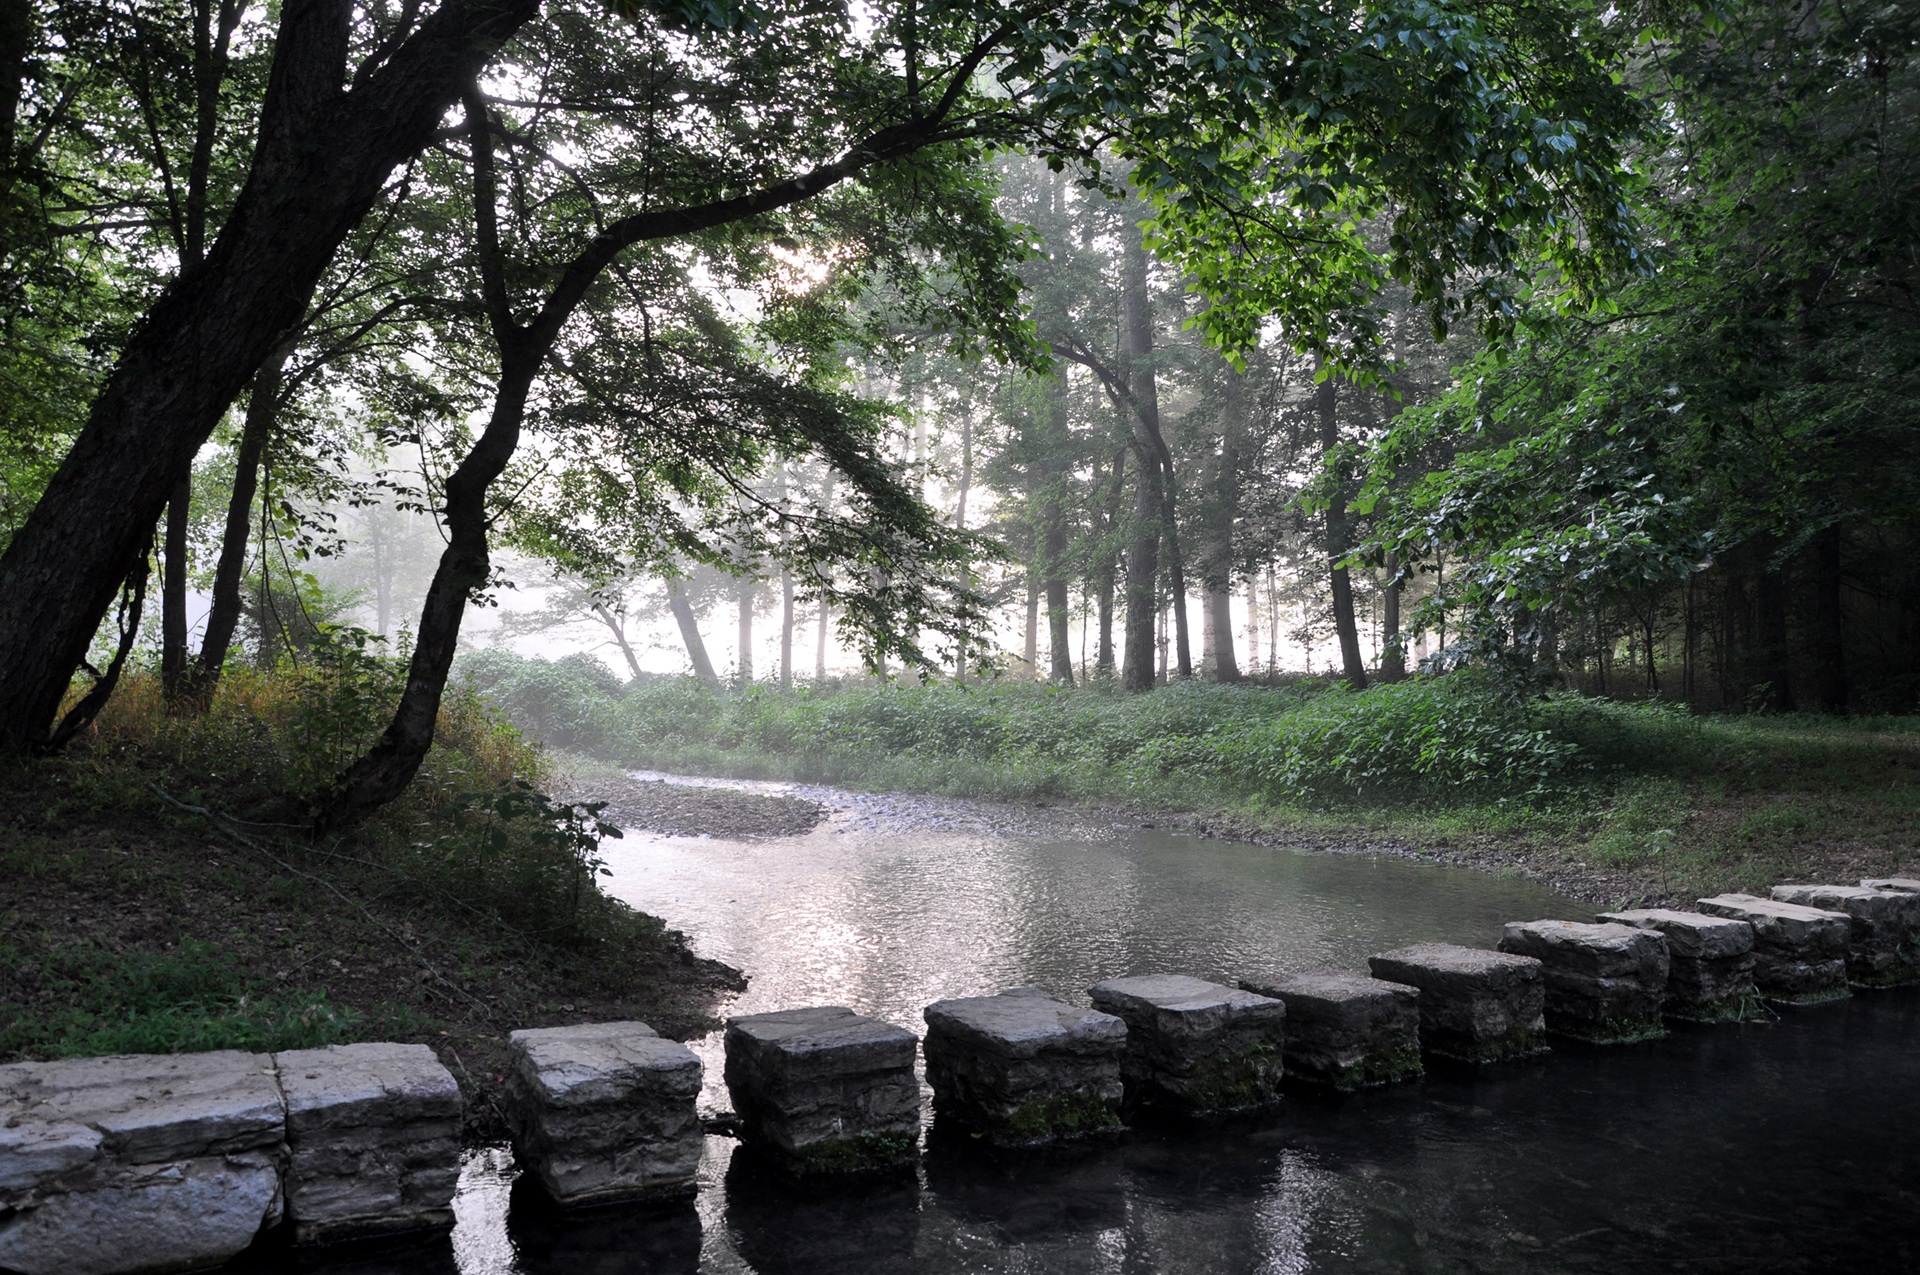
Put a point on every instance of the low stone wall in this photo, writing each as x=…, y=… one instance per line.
x=145, y=1164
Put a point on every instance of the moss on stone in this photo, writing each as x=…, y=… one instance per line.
x=1902, y=973
x=863, y=1153
x=1519, y=1042
x=1066, y=1115
x=1375, y=1070
x=1623, y=1029
x=1747, y=1007
x=1238, y=1082
x=1822, y=997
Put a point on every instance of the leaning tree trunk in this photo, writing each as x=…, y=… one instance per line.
x=385, y=771
x=1345, y=628
x=323, y=157
x=1155, y=458
x=690, y=633
x=263, y=406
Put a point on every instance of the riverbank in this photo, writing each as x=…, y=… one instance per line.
x=133, y=920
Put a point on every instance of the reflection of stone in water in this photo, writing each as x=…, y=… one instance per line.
x=417, y=1255
x=782, y=1227
x=1038, y=1197
x=479, y=1237
x=659, y=1239
x=1294, y=1219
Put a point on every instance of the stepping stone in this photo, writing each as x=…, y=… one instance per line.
x=137, y=1163
x=604, y=1112
x=1347, y=1030
x=373, y=1133
x=1194, y=1045
x=1883, y=949
x=824, y=1090
x=1710, y=963
x=1799, y=953
x=1475, y=1006
x=1604, y=982
x=1906, y=885
x=1022, y=1068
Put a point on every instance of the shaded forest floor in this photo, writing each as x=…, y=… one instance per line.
x=130, y=923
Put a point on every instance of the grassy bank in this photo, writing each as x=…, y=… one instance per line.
x=1616, y=801
x=152, y=898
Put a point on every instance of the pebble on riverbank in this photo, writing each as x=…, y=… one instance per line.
x=1347, y=1030
x=373, y=1135
x=1197, y=1046
x=824, y=1090
x=1022, y=1068
x=1604, y=983
x=1709, y=963
x=604, y=1112
x=140, y=1162
x=1799, y=953
x=1475, y=1006
x=1883, y=946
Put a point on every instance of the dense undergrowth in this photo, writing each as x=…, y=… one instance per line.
x=157, y=893
x=1694, y=801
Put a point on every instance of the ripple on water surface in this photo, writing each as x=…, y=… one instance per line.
x=1788, y=1147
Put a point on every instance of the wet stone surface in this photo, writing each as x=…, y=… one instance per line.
x=1604, y=983
x=137, y=1163
x=1347, y=1030
x=1194, y=1045
x=1022, y=1069
x=1799, y=953
x=824, y=1090
x=1475, y=1006
x=604, y=1112
x=1906, y=885
x=373, y=1136
x=1709, y=962
x=1883, y=948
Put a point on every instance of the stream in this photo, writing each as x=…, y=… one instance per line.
x=1791, y=1146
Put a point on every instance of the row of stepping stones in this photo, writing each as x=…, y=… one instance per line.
x=827, y=1090
x=148, y=1163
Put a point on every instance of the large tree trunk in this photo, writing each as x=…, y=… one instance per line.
x=690, y=633
x=385, y=771
x=1145, y=532
x=322, y=159
x=1054, y=550
x=1106, y=565
x=263, y=406
x=1326, y=403
x=1393, y=652
x=1828, y=630
x=747, y=594
x=173, y=593
x=960, y=521
x=1156, y=459
x=1216, y=568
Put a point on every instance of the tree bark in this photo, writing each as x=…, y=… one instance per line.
x=1143, y=548
x=960, y=521
x=1326, y=405
x=1155, y=459
x=690, y=633
x=173, y=594
x=1106, y=566
x=322, y=158
x=747, y=594
x=1030, y=645
x=1393, y=652
x=223, y=615
x=1828, y=629
x=1216, y=568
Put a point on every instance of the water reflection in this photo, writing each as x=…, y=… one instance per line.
x=1779, y=1148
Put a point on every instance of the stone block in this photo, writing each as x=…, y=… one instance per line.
x=373, y=1140
x=604, y=1112
x=1022, y=1068
x=1906, y=885
x=1883, y=946
x=1194, y=1045
x=1799, y=953
x=824, y=1090
x=1604, y=982
x=1710, y=963
x=137, y=1163
x=1347, y=1030
x=1475, y=1006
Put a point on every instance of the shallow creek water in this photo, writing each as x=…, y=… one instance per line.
x=1793, y=1146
